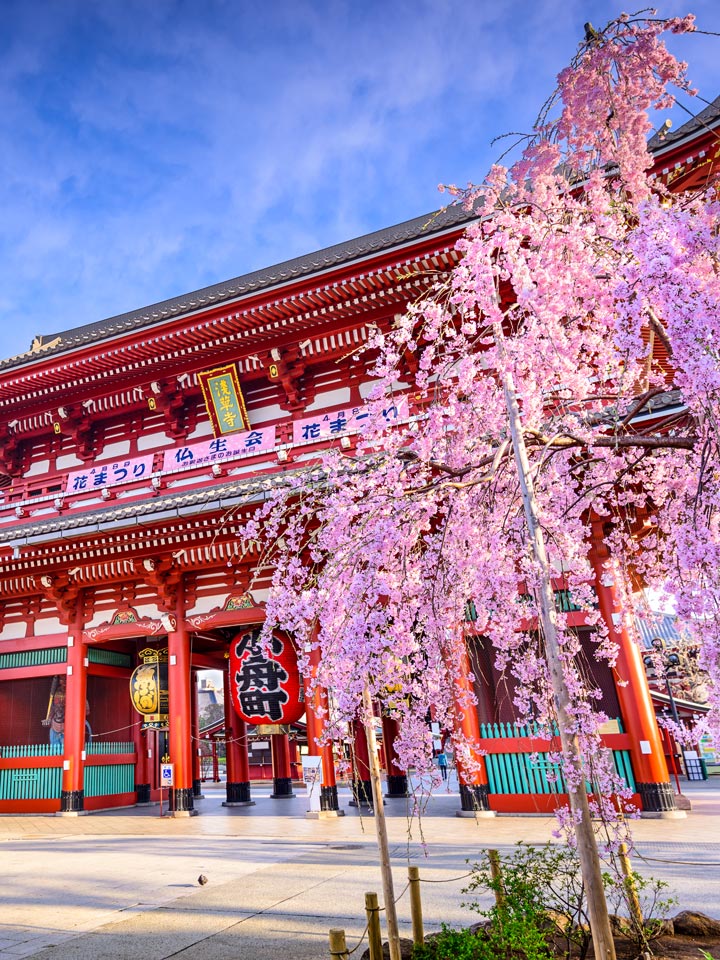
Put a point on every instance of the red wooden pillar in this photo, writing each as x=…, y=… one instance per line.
x=237, y=764
x=142, y=764
x=646, y=749
x=72, y=797
x=361, y=783
x=397, y=785
x=474, y=789
x=180, y=709
x=315, y=712
x=196, y=751
x=282, y=774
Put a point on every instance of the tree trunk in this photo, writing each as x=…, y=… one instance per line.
x=603, y=942
x=381, y=830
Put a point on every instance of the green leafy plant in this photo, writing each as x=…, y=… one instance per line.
x=654, y=905
x=453, y=944
x=519, y=923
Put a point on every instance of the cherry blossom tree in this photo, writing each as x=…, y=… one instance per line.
x=530, y=371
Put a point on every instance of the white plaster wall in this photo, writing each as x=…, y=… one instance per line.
x=37, y=468
x=151, y=440
x=206, y=604
x=12, y=631
x=50, y=625
x=68, y=460
x=272, y=412
x=121, y=448
x=100, y=616
x=330, y=398
x=148, y=610
x=203, y=429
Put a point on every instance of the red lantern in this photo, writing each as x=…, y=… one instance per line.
x=264, y=679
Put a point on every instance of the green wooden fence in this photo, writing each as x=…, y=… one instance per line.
x=45, y=783
x=31, y=750
x=33, y=658
x=31, y=783
x=534, y=772
x=110, y=746
x=104, y=780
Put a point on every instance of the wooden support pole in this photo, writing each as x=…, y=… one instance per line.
x=630, y=888
x=381, y=829
x=372, y=911
x=496, y=874
x=603, y=943
x=416, y=906
x=338, y=947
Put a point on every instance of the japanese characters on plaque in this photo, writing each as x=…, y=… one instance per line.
x=219, y=449
x=326, y=425
x=264, y=680
x=224, y=400
x=109, y=474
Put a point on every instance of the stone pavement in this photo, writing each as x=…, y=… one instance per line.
x=124, y=884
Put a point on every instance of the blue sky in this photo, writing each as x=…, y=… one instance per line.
x=150, y=148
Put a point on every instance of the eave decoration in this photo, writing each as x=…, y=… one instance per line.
x=224, y=400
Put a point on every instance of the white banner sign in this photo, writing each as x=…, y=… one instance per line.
x=219, y=449
x=108, y=474
x=325, y=425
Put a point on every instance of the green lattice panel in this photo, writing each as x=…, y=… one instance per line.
x=105, y=781
x=111, y=658
x=37, y=783
x=33, y=658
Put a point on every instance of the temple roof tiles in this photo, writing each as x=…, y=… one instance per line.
x=707, y=118
x=250, y=283
x=298, y=268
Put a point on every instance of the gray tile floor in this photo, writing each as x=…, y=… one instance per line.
x=124, y=883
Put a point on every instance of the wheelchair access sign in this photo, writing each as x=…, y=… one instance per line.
x=166, y=775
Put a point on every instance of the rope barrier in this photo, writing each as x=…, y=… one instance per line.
x=448, y=879
x=684, y=863
x=361, y=940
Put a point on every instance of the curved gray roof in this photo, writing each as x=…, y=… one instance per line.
x=257, y=280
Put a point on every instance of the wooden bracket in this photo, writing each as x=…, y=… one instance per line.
x=287, y=369
x=76, y=423
x=11, y=453
x=178, y=409
x=165, y=577
x=64, y=593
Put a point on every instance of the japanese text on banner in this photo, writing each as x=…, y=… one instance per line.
x=325, y=425
x=219, y=449
x=109, y=474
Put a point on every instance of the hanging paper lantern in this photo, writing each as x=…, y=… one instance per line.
x=149, y=688
x=264, y=679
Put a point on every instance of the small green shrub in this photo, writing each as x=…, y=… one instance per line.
x=453, y=945
x=540, y=909
x=541, y=901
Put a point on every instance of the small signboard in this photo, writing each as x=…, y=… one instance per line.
x=312, y=778
x=166, y=775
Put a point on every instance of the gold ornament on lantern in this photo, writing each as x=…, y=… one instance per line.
x=149, y=688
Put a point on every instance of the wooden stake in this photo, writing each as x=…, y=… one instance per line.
x=630, y=888
x=338, y=947
x=603, y=943
x=372, y=911
x=416, y=906
x=496, y=874
x=381, y=830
